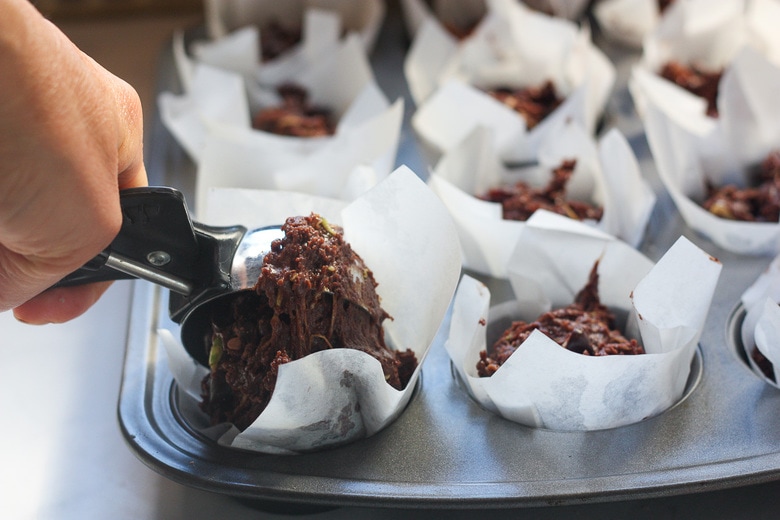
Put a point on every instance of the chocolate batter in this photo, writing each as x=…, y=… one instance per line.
x=314, y=293
x=586, y=327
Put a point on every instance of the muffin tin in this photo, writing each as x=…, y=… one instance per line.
x=446, y=451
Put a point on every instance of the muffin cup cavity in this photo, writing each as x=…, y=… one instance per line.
x=664, y=306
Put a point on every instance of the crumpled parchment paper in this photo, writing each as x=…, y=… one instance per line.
x=512, y=47
x=691, y=150
x=544, y=385
x=606, y=174
x=406, y=237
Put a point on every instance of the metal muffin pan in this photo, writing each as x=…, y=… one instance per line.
x=445, y=451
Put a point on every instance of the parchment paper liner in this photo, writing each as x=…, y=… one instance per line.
x=460, y=13
x=544, y=385
x=761, y=324
x=212, y=122
x=627, y=22
x=607, y=174
x=515, y=47
x=710, y=35
x=225, y=16
x=239, y=51
x=689, y=148
x=691, y=29
x=406, y=237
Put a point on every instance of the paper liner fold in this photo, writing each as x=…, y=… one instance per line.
x=211, y=120
x=542, y=384
x=462, y=13
x=627, y=22
x=512, y=47
x=340, y=395
x=761, y=323
x=222, y=17
x=691, y=150
x=709, y=35
x=607, y=174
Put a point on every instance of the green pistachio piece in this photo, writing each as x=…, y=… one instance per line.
x=327, y=227
x=215, y=353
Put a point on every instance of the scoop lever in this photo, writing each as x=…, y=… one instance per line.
x=159, y=242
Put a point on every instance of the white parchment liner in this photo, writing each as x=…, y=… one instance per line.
x=225, y=16
x=607, y=174
x=544, y=385
x=627, y=22
x=406, y=237
x=709, y=35
x=512, y=47
x=690, y=148
x=694, y=22
x=212, y=122
x=761, y=324
x=240, y=50
x=460, y=13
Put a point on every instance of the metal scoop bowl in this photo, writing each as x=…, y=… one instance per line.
x=201, y=265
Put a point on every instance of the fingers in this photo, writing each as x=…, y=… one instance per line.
x=60, y=305
x=131, y=172
x=71, y=136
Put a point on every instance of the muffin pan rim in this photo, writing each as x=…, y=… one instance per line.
x=422, y=460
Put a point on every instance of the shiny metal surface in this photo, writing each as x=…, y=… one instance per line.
x=244, y=270
x=445, y=451
x=140, y=270
x=248, y=259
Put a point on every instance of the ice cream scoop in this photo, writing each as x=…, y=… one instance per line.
x=159, y=242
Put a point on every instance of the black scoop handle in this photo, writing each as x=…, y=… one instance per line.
x=159, y=242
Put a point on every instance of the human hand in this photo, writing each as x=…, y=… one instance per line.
x=70, y=139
